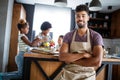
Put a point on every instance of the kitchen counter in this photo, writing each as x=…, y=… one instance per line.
x=108, y=63
x=45, y=67
x=111, y=60
x=41, y=66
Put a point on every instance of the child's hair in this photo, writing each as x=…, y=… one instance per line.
x=22, y=24
x=61, y=36
x=46, y=25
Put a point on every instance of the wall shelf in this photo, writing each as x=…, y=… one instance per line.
x=100, y=22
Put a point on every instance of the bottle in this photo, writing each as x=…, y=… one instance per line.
x=91, y=15
x=117, y=50
x=94, y=15
x=105, y=25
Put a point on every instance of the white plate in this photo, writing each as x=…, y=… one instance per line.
x=38, y=48
x=47, y=50
x=56, y=55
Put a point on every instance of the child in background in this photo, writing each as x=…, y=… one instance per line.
x=44, y=35
x=60, y=40
x=23, y=44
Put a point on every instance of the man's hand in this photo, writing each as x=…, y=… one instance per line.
x=87, y=55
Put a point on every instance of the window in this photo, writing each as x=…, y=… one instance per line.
x=59, y=17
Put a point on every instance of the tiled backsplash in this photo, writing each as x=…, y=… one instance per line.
x=113, y=44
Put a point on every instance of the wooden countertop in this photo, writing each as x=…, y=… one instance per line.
x=38, y=55
x=111, y=59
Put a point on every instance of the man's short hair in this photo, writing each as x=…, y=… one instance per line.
x=82, y=8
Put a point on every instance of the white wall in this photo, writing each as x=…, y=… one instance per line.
x=59, y=17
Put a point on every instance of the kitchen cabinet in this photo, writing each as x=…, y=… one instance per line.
x=116, y=72
x=100, y=22
x=18, y=13
x=115, y=25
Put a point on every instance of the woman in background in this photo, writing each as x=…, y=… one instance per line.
x=23, y=45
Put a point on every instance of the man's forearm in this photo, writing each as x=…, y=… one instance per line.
x=69, y=57
x=88, y=62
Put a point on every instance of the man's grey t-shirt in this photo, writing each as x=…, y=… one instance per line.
x=95, y=38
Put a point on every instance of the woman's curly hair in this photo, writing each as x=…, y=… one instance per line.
x=22, y=24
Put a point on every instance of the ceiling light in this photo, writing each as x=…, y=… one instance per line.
x=62, y=3
x=95, y=5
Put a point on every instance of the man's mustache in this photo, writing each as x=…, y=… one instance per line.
x=80, y=21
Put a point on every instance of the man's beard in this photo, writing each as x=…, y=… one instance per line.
x=81, y=25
